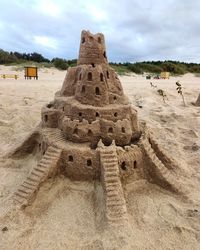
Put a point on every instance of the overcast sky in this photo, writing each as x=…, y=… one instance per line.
x=135, y=30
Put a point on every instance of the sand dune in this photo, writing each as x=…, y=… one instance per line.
x=63, y=215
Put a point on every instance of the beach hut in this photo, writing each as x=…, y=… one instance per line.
x=164, y=75
x=31, y=72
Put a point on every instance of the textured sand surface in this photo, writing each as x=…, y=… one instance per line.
x=63, y=215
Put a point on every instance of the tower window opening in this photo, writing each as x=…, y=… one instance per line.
x=80, y=114
x=97, y=91
x=83, y=89
x=101, y=77
x=46, y=118
x=115, y=114
x=93, y=65
x=135, y=164
x=110, y=130
x=89, y=162
x=107, y=73
x=89, y=132
x=99, y=39
x=97, y=114
x=80, y=76
x=123, y=130
x=70, y=158
x=83, y=39
x=104, y=54
x=63, y=108
x=115, y=98
x=75, y=131
x=89, y=76
x=50, y=105
x=123, y=165
x=91, y=38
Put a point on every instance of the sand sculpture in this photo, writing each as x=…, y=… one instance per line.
x=91, y=132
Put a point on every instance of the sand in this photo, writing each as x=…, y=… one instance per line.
x=63, y=215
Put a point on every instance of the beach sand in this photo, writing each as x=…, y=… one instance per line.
x=63, y=214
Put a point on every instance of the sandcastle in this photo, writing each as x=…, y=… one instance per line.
x=91, y=132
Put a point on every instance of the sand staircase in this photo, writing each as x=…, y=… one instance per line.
x=115, y=204
x=45, y=168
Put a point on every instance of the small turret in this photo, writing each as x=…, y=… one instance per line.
x=92, y=49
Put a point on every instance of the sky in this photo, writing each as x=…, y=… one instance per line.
x=135, y=30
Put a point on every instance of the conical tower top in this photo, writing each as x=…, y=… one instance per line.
x=92, y=49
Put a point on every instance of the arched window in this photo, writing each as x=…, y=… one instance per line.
x=101, y=77
x=123, y=130
x=83, y=39
x=80, y=114
x=70, y=158
x=123, y=165
x=135, y=164
x=115, y=114
x=89, y=132
x=75, y=131
x=46, y=118
x=97, y=91
x=107, y=73
x=110, y=130
x=97, y=114
x=83, y=89
x=89, y=162
x=99, y=39
x=89, y=76
x=115, y=98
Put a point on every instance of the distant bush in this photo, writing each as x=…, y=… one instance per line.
x=120, y=69
x=60, y=63
x=176, y=69
x=135, y=68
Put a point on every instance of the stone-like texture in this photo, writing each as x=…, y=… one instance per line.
x=90, y=132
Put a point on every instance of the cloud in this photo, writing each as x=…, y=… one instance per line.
x=45, y=41
x=135, y=30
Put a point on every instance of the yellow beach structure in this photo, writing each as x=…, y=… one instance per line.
x=164, y=75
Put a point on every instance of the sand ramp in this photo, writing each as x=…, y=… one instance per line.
x=45, y=168
x=162, y=174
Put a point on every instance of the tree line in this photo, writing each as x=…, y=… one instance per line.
x=7, y=58
x=174, y=67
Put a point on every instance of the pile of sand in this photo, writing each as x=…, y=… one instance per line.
x=63, y=215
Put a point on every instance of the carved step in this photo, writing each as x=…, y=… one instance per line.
x=111, y=179
x=112, y=185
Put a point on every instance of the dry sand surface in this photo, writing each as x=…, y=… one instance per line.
x=63, y=215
